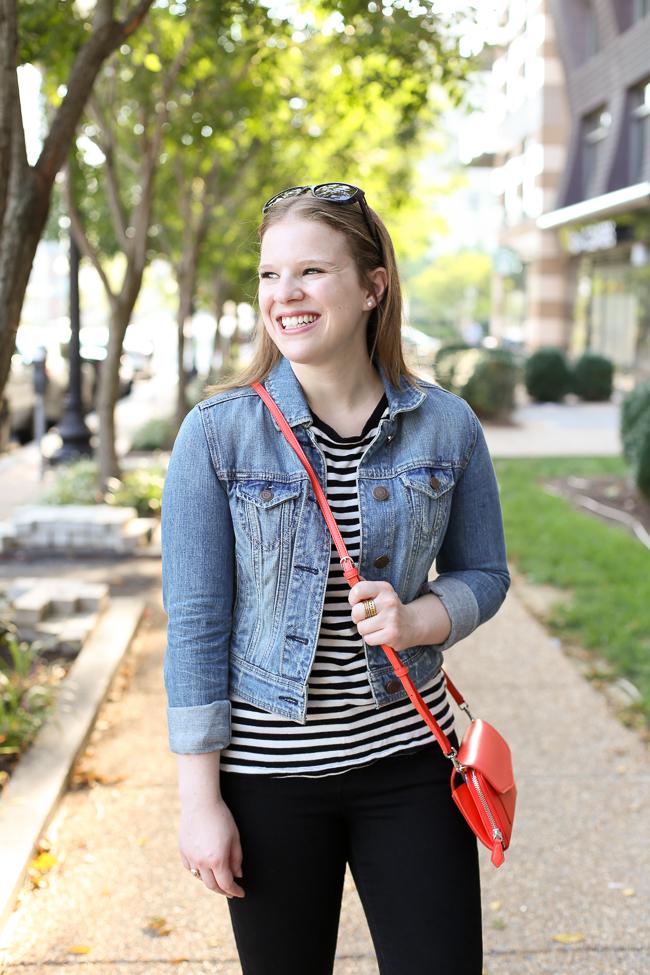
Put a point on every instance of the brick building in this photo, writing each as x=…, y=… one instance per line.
x=602, y=210
x=571, y=170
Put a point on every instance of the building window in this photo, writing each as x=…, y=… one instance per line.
x=595, y=128
x=638, y=123
x=639, y=10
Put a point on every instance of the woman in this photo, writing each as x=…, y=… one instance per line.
x=298, y=751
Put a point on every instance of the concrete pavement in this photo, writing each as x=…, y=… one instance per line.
x=579, y=865
x=570, y=429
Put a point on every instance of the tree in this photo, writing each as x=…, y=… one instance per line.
x=240, y=101
x=79, y=47
x=127, y=126
x=454, y=288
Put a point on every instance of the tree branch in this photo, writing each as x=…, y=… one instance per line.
x=77, y=229
x=102, y=42
x=112, y=192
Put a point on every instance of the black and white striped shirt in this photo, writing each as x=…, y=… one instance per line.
x=343, y=728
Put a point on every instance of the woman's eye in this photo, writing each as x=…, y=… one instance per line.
x=265, y=275
x=313, y=270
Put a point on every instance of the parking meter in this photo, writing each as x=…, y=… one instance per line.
x=40, y=381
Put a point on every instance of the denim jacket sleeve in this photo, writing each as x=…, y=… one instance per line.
x=473, y=576
x=198, y=587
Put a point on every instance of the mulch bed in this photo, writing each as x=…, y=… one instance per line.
x=616, y=493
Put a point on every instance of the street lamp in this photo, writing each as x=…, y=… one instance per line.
x=72, y=428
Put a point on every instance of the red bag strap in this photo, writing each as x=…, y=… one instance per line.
x=351, y=574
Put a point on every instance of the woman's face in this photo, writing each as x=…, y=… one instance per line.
x=312, y=303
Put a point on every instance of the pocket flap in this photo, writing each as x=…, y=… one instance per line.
x=267, y=494
x=432, y=481
x=484, y=749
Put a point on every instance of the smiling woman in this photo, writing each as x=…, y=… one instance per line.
x=298, y=750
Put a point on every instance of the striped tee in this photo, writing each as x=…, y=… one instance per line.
x=343, y=728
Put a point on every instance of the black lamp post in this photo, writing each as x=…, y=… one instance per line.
x=72, y=428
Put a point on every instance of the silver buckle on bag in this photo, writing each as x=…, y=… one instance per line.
x=453, y=757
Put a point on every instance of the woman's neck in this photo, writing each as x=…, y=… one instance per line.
x=344, y=395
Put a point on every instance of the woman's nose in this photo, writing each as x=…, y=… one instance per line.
x=287, y=288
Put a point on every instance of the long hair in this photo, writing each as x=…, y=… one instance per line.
x=385, y=321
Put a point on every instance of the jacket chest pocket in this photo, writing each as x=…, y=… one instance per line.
x=267, y=511
x=428, y=495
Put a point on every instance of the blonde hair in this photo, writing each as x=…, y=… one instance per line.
x=385, y=322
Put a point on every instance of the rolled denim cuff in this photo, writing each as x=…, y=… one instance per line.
x=461, y=604
x=203, y=728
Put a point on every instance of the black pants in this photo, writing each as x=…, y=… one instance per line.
x=412, y=855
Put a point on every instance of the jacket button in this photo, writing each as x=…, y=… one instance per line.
x=381, y=562
x=393, y=686
x=266, y=495
x=380, y=493
x=434, y=482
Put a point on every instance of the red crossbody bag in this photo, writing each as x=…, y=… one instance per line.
x=482, y=780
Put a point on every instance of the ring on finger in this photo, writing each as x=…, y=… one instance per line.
x=369, y=608
x=195, y=872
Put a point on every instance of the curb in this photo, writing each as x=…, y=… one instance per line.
x=41, y=778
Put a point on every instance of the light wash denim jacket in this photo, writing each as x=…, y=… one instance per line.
x=246, y=549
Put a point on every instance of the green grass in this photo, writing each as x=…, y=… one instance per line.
x=606, y=569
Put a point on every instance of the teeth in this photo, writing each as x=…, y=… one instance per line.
x=296, y=320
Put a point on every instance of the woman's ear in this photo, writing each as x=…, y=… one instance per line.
x=379, y=278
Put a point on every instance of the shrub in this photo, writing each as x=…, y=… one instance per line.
x=486, y=378
x=547, y=375
x=635, y=434
x=27, y=691
x=77, y=483
x=593, y=377
x=141, y=489
x=158, y=434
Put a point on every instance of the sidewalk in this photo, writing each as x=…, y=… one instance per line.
x=558, y=430
x=580, y=844
x=20, y=470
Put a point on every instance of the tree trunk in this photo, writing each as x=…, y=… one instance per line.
x=185, y=294
x=25, y=190
x=219, y=296
x=24, y=222
x=109, y=389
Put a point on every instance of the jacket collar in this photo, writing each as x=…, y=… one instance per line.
x=287, y=392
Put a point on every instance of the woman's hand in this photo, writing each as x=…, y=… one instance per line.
x=424, y=621
x=209, y=841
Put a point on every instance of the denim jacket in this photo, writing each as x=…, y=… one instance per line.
x=246, y=549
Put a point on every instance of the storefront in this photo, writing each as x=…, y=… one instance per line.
x=608, y=239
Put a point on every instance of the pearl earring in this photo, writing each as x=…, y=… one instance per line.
x=370, y=304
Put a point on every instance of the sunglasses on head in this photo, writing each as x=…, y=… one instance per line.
x=333, y=193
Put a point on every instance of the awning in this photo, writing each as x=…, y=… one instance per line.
x=608, y=205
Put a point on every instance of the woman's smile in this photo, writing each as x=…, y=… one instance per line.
x=297, y=320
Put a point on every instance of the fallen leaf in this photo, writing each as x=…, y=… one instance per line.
x=79, y=950
x=498, y=923
x=628, y=892
x=43, y=862
x=495, y=905
x=178, y=961
x=157, y=927
x=570, y=938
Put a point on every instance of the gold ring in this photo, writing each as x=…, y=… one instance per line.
x=195, y=873
x=369, y=608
